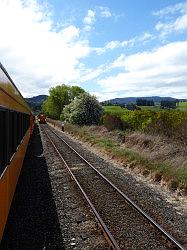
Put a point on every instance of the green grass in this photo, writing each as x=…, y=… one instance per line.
x=152, y=108
x=117, y=110
x=113, y=148
x=182, y=106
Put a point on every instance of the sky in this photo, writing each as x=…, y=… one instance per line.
x=111, y=48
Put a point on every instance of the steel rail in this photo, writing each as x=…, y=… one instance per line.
x=136, y=207
x=109, y=237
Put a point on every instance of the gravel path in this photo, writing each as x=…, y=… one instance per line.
x=154, y=203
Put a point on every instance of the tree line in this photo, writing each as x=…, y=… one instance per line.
x=164, y=104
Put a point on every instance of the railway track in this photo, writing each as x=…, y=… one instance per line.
x=125, y=225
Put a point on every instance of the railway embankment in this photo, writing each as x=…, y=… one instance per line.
x=158, y=159
x=48, y=211
x=169, y=211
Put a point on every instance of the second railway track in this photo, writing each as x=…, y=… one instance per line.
x=130, y=228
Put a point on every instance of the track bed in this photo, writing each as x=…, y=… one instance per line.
x=129, y=228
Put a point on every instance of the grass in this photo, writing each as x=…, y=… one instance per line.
x=182, y=106
x=152, y=108
x=116, y=110
x=114, y=149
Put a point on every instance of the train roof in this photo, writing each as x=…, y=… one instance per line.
x=10, y=91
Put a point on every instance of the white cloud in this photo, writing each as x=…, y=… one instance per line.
x=90, y=74
x=179, y=25
x=120, y=62
x=160, y=72
x=105, y=12
x=90, y=18
x=69, y=33
x=33, y=52
x=143, y=38
x=112, y=44
x=172, y=9
x=176, y=24
x=38, y=54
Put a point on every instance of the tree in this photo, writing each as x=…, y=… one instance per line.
x=49, y=108
x=168, y=104
x=131, y=106
x=84, y=110
x=60, y=96
x=144, y=102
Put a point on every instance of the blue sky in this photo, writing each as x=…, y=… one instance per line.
x=115, y=48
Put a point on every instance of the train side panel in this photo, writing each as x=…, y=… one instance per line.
x=16, y=124
x=9, y=180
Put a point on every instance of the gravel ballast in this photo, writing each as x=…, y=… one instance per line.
x=78, y=225
x=50, y=213
x=156, y=203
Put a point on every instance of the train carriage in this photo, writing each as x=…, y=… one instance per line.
x=42, y=118
x=16, y=123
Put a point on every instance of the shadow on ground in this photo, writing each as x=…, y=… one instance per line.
x=33, y=221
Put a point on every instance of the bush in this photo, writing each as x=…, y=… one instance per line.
x=85, y=110
x=112, y=122
x=62, y=118
x=171, y=124
x=139, y=119
x=131, y=106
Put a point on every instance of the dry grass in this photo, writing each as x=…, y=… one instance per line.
x=163, y=160
x=158, y=148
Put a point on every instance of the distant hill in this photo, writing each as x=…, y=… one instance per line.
x=35, y=102
x=36, y=99
x=126, y=100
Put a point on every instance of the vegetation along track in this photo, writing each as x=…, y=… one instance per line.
x=129, y=225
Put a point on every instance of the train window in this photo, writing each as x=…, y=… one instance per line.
x=28, y=121
x=13, y=126
x=3, y=140
x=22, y=132
x=11, y=133
x=19, y=128
x=15, y=131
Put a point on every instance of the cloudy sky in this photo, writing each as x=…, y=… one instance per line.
x=116, y=48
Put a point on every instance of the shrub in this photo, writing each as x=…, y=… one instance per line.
x=62, y=118
x=131, y=106
x=112, y=122
x=85, y=110
x=170, y=123
x=138, y=119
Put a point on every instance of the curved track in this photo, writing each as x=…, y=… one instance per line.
x=125, y=225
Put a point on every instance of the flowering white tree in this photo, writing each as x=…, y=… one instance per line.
x=84, y=110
